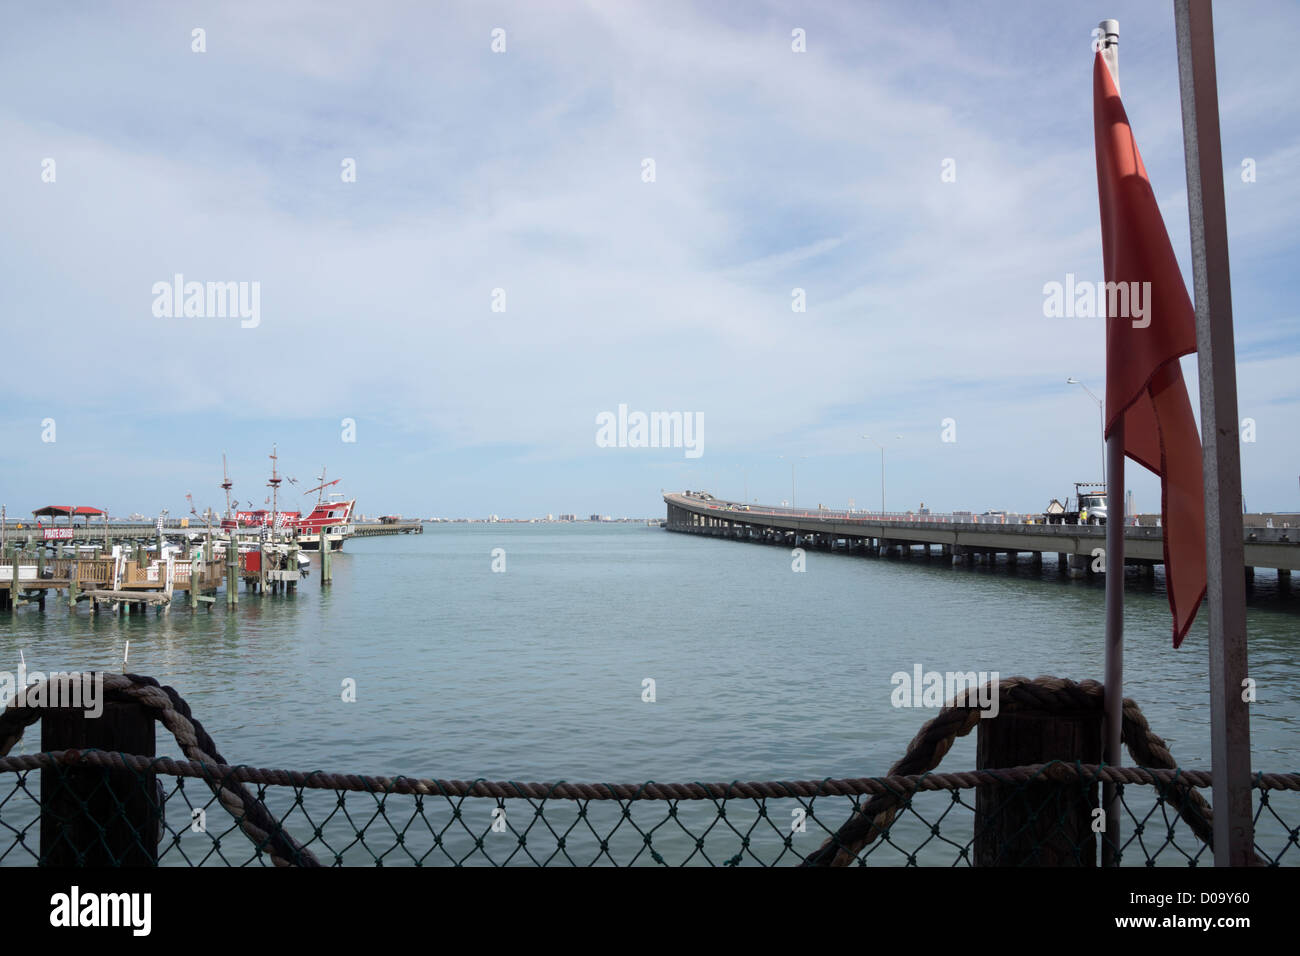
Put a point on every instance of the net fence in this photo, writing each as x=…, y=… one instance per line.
x=95, y=808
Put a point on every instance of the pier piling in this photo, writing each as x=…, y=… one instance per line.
x=1041, y=823
x=96, y=817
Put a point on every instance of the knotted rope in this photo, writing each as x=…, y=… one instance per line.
x=1042, y=694
x=170, y=709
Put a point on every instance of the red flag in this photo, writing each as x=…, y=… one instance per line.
x=1144, y=382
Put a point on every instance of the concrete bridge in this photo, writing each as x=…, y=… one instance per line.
x=966, y=538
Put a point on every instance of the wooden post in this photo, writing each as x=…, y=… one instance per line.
x=194, y=583
x=325, y=570
x=96, y=817
x=1040, y=823
x=232, y=570
x=74, y=581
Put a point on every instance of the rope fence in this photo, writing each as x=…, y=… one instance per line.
x=101, y=807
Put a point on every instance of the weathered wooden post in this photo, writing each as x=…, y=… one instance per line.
x=92, y=816
x=194, y=583
x=232, y=570
x=326, y=572
x=1042, y=823
x=74, y=582
x=292, y=585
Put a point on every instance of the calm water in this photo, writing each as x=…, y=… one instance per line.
x=536, y=673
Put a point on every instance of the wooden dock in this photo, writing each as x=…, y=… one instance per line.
x=128, y=584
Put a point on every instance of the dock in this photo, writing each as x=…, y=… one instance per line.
x=129, y=582
x=966, y=538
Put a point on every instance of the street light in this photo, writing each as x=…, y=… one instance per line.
x=792, y=460
x=1101, y=415
x=882, y=469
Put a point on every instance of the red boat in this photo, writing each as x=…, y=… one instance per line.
x=333, y=518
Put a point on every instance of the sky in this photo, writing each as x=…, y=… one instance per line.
x=444, y=331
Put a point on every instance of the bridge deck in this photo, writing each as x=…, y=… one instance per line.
x=1265, y=547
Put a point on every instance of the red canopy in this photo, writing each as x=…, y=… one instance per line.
x=65, y=511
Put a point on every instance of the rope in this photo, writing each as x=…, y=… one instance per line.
x=1055, y=771
x=888, y=795
x=1015, y=694
x=168, y=707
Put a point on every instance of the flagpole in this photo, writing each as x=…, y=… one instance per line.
x=1112, y=752
x=1225, y=557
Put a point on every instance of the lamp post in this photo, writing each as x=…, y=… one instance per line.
x=792, y=460
x=1101, y=415
x=882, y=469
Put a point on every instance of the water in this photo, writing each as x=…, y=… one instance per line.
x=536, y=673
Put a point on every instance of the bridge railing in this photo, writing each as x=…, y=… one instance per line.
x=914, y=517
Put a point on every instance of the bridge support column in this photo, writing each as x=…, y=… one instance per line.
x=1078, y=566
x=1284, y=579
x=1061, y=558
x=1250, y=578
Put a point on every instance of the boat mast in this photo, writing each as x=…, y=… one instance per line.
x=226, y=483
x=274, y=485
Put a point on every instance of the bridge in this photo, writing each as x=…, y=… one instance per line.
x=964, y=537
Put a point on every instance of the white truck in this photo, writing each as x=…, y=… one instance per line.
x=1088, y=506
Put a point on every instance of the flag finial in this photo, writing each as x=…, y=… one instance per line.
x=1106, y=42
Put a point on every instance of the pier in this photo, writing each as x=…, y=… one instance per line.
x=963, y=538
x=118, y=532
x=129, y=583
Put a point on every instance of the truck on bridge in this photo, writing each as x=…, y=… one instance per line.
x=1088, y=506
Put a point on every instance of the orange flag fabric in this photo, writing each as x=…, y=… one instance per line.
x=1150, y=323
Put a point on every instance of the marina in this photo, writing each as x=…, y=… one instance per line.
x=129, y=567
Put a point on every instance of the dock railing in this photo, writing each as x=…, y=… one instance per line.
x=96, y=794
x=349, y=820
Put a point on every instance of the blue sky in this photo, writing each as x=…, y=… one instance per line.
x=522, y=171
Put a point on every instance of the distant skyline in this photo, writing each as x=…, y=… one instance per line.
x=501, y=275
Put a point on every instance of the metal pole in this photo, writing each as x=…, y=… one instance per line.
x=1112, y=752
x=1101, y=414
x=882, y=481
x=1216, y=356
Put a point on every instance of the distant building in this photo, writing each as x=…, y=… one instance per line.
x=568, y=517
